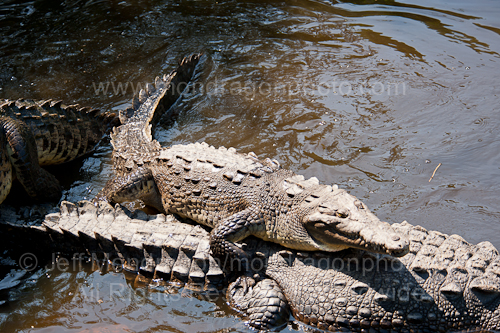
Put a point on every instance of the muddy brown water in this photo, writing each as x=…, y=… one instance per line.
x=370, y=95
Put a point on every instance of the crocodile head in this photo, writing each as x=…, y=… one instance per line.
x=339, y=220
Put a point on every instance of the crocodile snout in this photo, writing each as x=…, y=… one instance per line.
x=398, y=246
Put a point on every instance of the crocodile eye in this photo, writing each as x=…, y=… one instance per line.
x=342, y=214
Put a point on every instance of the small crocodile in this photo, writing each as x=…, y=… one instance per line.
x=40, y=133
x=237, y=195
x=443, y=284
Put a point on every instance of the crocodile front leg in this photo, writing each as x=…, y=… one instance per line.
x=263, y=303
x=233, y=229
x=21, y=153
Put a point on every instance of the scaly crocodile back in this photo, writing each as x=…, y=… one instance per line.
x=62, y=133
x=443, y=284
x=37, y=133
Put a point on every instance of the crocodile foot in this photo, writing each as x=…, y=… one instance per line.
x=263, y=302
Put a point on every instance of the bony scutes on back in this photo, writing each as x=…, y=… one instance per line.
x=238, y=195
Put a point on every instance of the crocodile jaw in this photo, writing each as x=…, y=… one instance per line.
x=342, y=221
x=331, y=235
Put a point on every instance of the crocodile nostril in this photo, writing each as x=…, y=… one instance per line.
x=359, y=204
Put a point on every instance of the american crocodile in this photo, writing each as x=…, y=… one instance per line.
x=236, y=194
x=443, y=284
x=40, y=133
x=179, y=251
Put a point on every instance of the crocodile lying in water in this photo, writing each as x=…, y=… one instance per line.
x=40, y=133
x=443, y=284
x=237, y=195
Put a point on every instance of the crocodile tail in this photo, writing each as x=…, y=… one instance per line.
x=6, y=175
x=62, y=132
x=156, y=99
x=108, y=120
x=20, y=154
x=156, y=246
x=147, y=107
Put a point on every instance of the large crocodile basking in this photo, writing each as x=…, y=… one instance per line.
x=40, y=133
x=443, y=284
x=236, y=194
